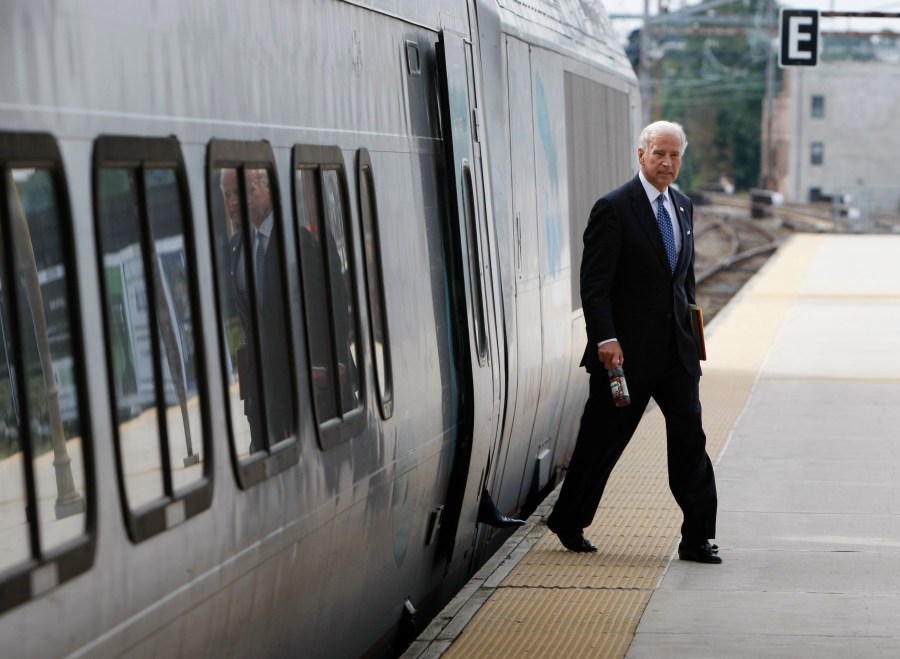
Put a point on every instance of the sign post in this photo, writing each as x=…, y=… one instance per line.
x=799, y=30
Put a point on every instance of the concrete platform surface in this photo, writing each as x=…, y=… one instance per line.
x=801, y=403
x=809, y=484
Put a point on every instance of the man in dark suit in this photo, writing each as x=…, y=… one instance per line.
x=637, y=282
x=257, y=290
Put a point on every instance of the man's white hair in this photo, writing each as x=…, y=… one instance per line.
x=659, y=127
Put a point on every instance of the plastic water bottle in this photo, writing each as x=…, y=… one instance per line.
x=620, y=395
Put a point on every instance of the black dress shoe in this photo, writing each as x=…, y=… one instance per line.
x=573, y=540
x=498, y=520
x=700, y=553
x=490, y=515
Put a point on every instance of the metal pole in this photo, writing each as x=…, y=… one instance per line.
x=68, y=500
x=643, y=69
x=173, y=358
x=172, y=351
x=768, y=182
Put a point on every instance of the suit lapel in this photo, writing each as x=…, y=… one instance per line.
x=643, y=211
x=686, y=231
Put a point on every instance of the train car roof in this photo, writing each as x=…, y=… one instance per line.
x=579, y=28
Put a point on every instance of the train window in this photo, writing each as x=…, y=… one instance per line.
x=150, y=302
x=254, y=318
x=368, y=210
x=332, y=319
x=46, y=506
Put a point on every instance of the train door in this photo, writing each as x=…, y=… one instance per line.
x=548, y=94
x=540, y=208
x=527, y=336
x=471, y=292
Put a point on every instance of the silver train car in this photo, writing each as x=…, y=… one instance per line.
x=288, y=290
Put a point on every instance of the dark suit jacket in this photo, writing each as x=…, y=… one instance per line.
x=628, y=291
x=274, y=365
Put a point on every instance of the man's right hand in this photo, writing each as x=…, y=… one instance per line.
x=610, y=355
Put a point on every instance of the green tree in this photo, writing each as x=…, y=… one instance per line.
x=707, y=69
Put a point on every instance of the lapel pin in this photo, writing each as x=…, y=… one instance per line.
x=681, y=209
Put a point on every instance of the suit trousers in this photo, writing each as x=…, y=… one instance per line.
x=605, y=432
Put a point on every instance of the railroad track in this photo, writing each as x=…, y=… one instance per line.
x=729, y=249
x=746, y=240
x=730, y=246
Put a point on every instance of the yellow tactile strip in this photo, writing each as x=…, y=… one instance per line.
x=535, y=598
x=538, y=622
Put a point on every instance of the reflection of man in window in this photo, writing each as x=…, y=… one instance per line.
x=256, y=279
x=321, y=331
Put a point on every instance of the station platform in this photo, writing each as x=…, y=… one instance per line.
x=801, y=404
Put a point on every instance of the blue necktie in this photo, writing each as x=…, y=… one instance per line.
x=260, y=263
x=665, y=228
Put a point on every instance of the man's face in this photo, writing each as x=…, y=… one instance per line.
x=259, y=200
x=662, y=159
x=231, y=193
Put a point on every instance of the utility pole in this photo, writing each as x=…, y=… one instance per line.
x=643, y=68
x=768, y=174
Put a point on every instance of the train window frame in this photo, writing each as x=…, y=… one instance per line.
x=139, y=153
x=223, y=154
x=46, y=570
x=374, y=276
x=320, y=158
